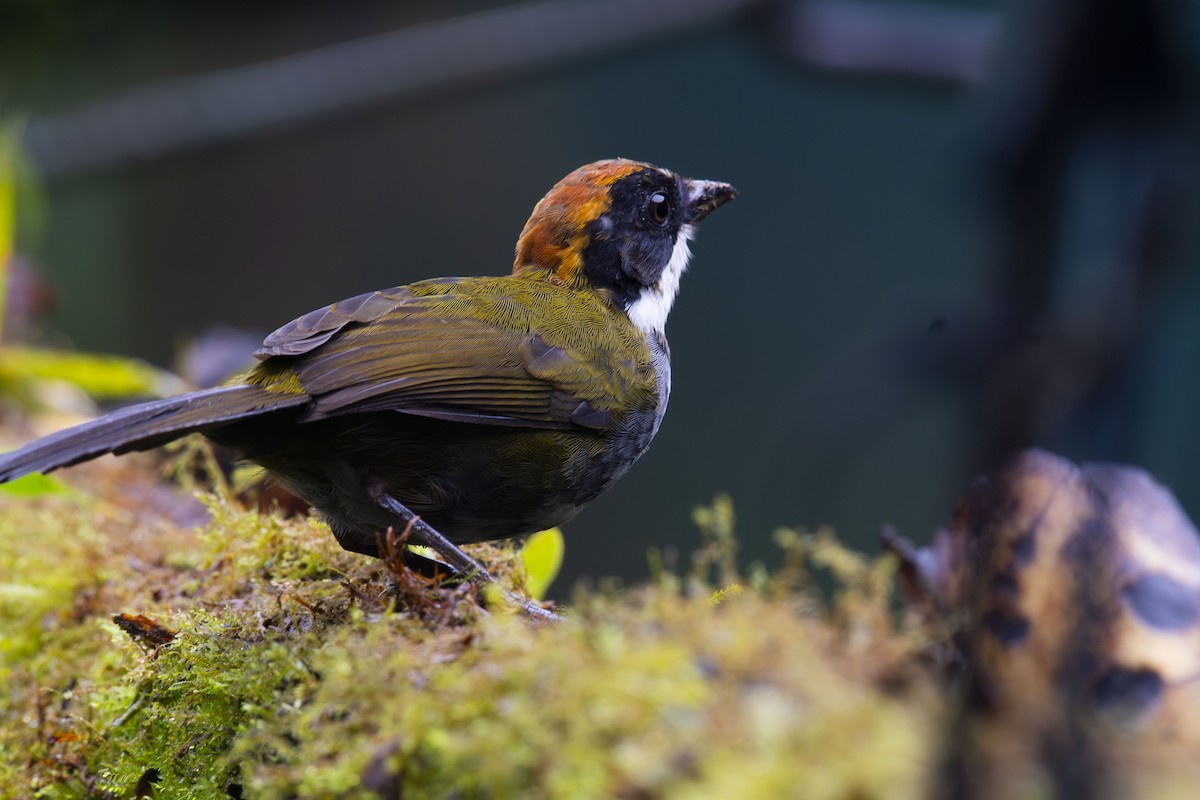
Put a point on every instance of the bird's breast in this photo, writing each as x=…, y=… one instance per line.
x=660, y=353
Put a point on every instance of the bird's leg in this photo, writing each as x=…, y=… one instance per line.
x=422, y=533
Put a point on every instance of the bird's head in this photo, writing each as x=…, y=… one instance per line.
x=620, y=228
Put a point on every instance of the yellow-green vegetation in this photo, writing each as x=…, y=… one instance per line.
x=542, y=557
x=299, y=670
x=25, y=372
x=8, y=214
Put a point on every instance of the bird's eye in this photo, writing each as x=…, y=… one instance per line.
x=660, y=208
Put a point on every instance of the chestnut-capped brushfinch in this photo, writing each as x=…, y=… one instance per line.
x=490, y=407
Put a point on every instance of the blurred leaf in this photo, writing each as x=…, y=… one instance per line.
x=35, y=485
x=103, y=377
x=8, y=163
x=543, y=557
x=427, y=552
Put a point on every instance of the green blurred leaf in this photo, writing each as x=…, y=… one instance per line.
x=8, y=216
x=427, y=552
x=543, y=557
x=34, y=485
x=103, y=377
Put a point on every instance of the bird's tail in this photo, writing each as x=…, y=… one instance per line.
x=143, y=426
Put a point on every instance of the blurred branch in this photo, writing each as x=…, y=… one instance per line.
x=892, y=38
x=1084, y=151
x=1080, y=154
x=140, y=124
x=194, y=112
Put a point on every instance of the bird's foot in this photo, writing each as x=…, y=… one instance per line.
x=422, y=533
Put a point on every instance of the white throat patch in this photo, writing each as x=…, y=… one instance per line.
x=649, y=312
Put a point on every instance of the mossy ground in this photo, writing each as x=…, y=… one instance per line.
x=300, y=670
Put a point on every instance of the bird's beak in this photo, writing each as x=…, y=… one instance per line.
x=704, y=196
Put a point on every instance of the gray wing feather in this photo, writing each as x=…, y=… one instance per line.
x=315, y=328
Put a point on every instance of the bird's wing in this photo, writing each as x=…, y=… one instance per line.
x=466, y=350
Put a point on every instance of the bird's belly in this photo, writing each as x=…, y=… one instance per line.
x=472, y=482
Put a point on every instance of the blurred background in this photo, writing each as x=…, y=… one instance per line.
x=964, y=226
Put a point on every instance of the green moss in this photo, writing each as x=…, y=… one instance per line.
x=300, y=670
x=181, y=712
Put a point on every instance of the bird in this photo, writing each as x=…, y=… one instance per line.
x=462, y=409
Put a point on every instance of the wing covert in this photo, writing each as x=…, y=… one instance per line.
x=466, y=352
x=315, y=328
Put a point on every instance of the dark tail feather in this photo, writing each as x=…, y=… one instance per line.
x=144, y=426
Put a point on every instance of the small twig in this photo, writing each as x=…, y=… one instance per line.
x=189, y=113
x=910, y=39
